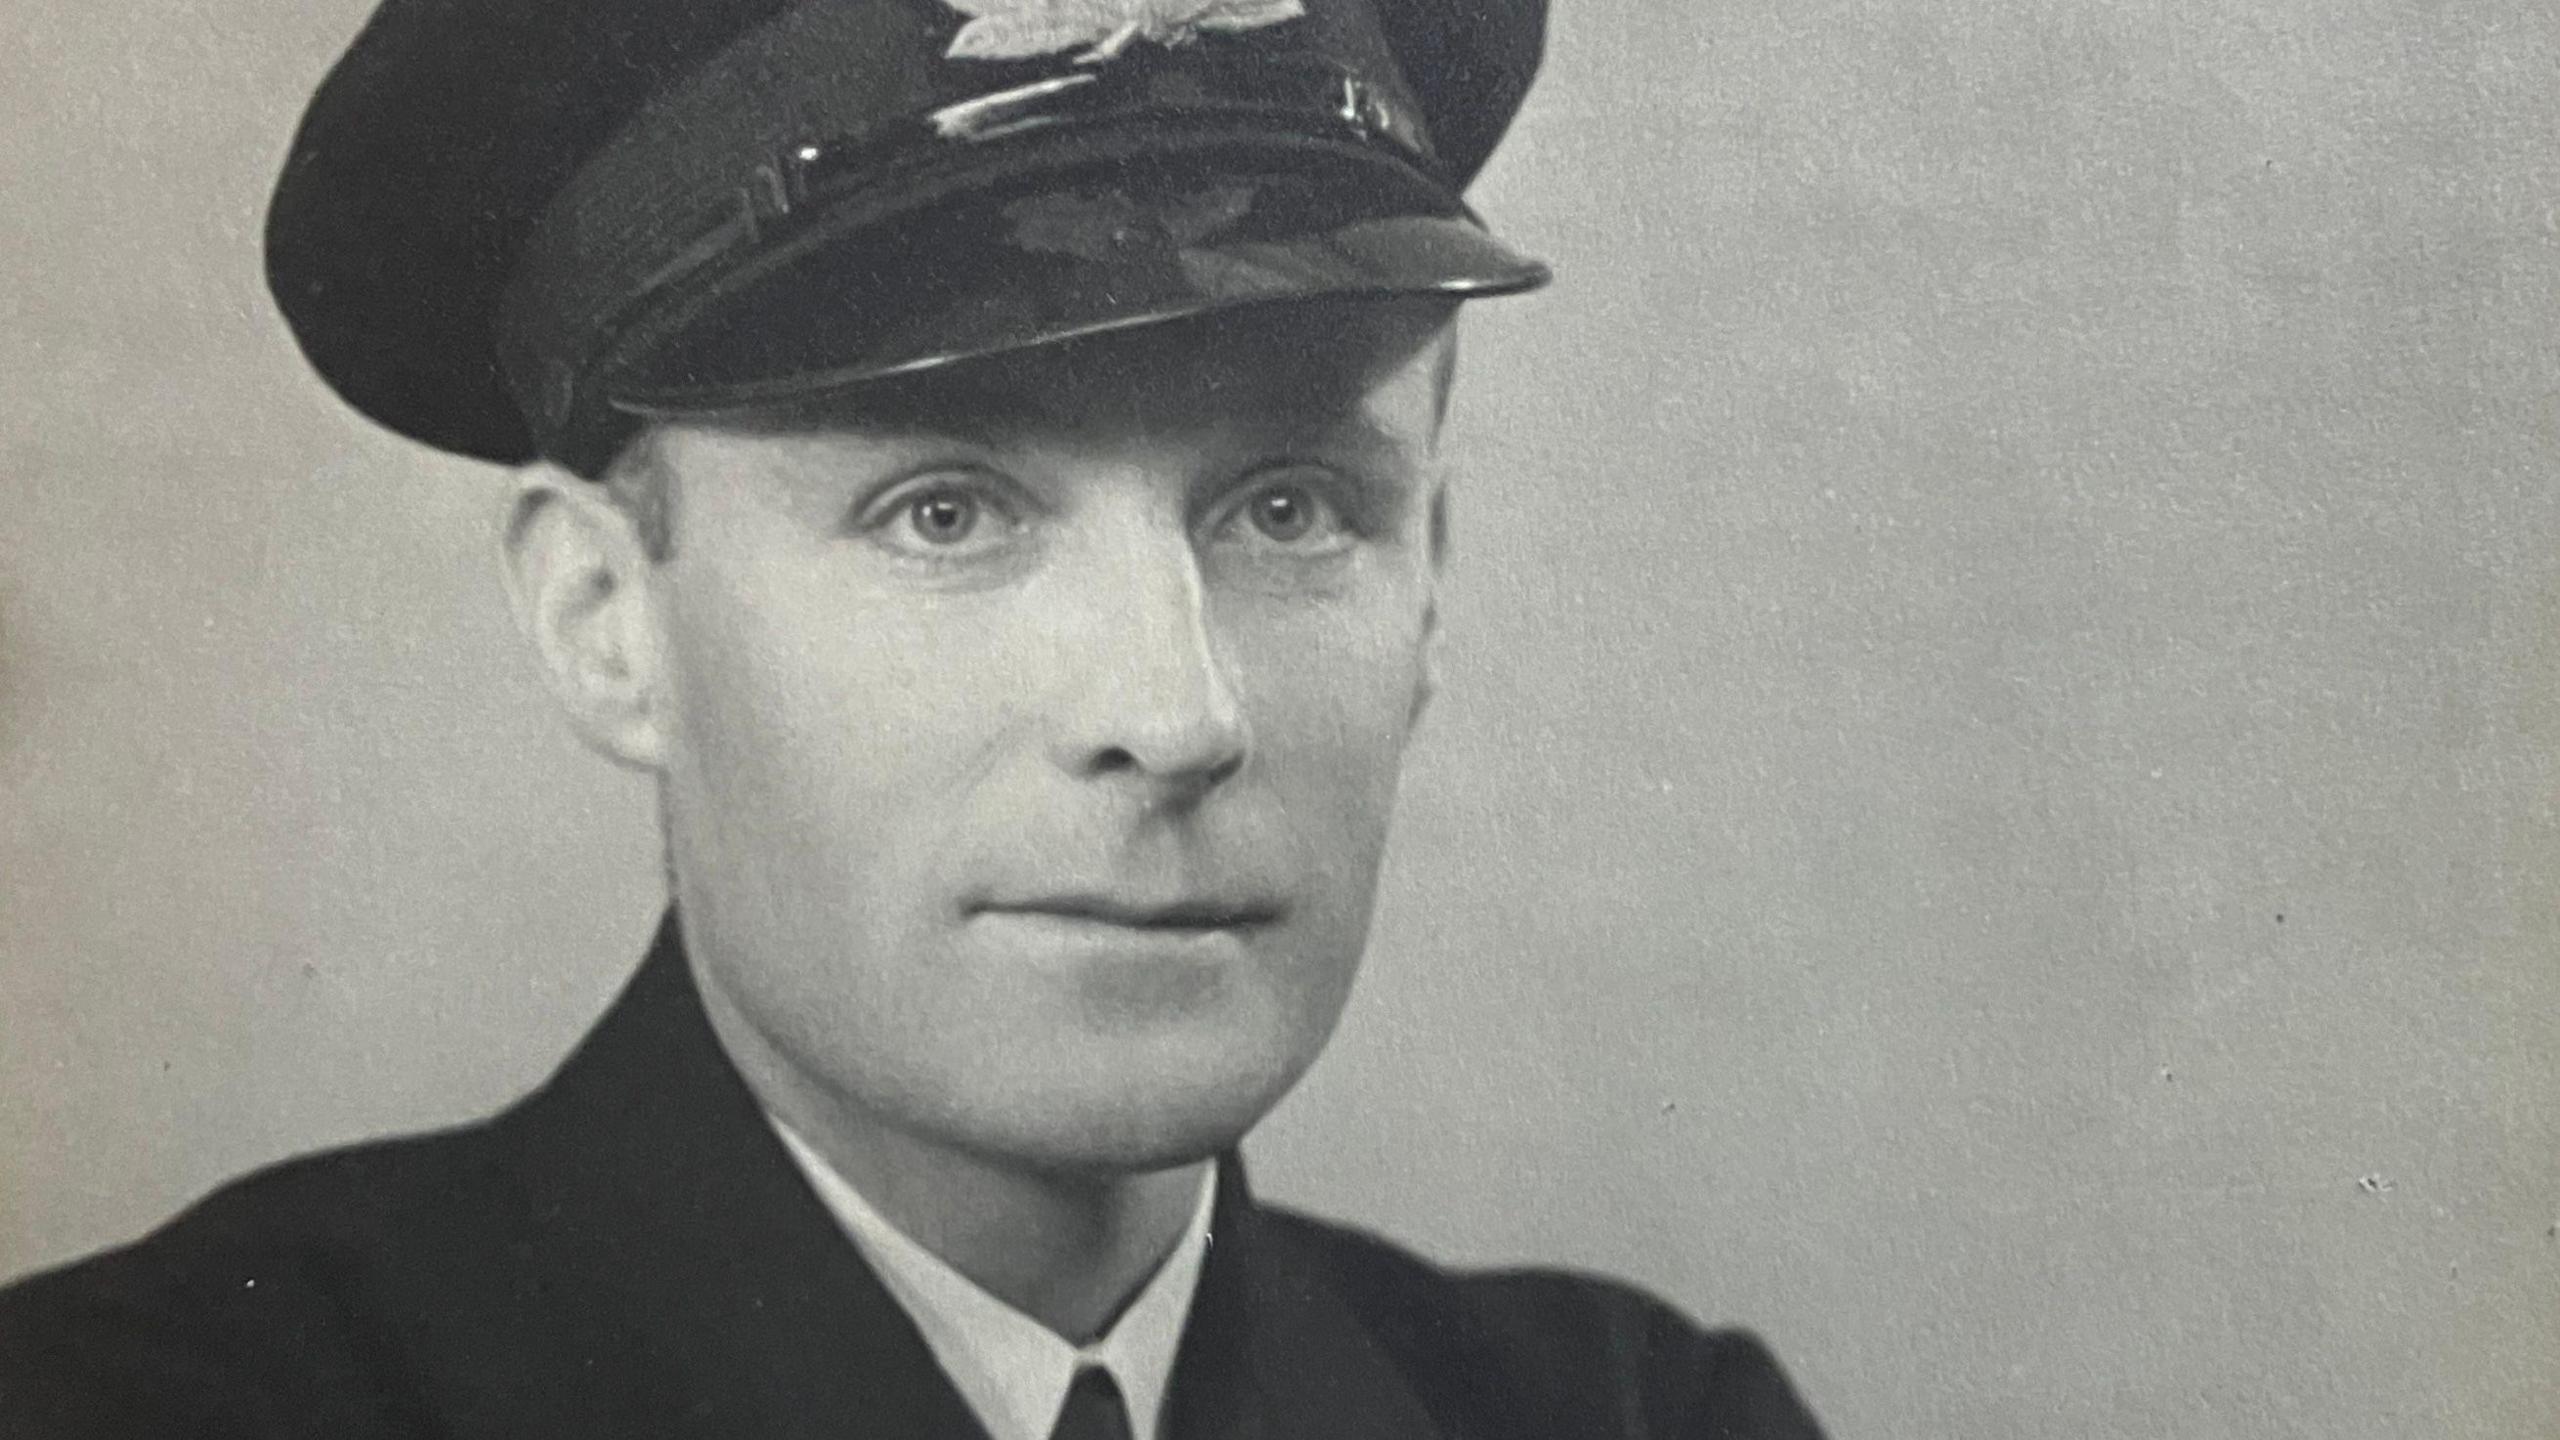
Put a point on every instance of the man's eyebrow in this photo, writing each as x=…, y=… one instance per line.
x=1358, y=426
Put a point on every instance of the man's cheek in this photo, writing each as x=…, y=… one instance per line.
x=1345, y=654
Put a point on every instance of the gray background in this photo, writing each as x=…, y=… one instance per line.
x=1993, y=814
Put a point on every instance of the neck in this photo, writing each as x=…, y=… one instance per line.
x=1069, y=1249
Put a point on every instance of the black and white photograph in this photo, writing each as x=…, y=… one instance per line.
x=1279, y=720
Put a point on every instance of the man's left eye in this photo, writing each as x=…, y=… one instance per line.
x=1289, y=512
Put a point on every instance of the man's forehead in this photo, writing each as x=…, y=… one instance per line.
x=1292, y=369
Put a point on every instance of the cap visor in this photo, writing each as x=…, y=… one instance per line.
x=1108, y=248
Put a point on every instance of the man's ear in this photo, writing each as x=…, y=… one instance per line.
x=1426, y=678
x=578, y=575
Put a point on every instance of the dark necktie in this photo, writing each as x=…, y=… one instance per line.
x=1093, y=1410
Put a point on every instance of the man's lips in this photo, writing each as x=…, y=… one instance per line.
x=1190, y=914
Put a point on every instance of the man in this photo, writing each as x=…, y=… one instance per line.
x=979, y=466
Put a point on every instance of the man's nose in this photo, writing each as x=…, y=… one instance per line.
x=1151, y=701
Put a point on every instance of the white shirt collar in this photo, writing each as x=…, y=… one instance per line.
x=1011, y=1369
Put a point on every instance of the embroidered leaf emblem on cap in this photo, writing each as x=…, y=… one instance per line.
x=1027, y=29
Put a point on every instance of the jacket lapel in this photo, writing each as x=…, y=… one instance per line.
x=1273, y=1351
x=718, y=1284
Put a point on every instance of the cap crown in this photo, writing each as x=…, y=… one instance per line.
x=436, y=155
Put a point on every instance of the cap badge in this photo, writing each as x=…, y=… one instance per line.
x=1030, y=29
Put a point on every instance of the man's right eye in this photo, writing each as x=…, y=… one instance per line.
x=943, y=518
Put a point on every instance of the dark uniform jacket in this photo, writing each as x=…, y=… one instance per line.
x=630, y=1253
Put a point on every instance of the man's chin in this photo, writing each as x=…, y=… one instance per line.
x=1147, y=1124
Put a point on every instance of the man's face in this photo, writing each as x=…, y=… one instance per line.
x=1032, y=728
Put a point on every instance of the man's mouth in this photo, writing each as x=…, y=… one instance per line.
x=1189, y=915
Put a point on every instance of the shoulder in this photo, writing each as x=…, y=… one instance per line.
x=260, y=1309
x=1558, y=1353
